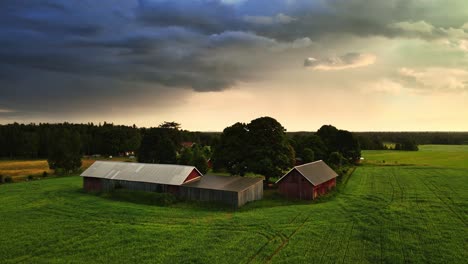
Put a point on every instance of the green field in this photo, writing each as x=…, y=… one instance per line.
x=411, y=213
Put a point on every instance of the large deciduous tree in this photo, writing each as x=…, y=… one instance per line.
x=260, y=147
x=65, y=151
x=157, y=147
x=341, y=141
x=268, y=149
x=230, y=152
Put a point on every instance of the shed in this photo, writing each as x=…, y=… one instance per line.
x=185, y=182
x=234, y=190
x=307, y=181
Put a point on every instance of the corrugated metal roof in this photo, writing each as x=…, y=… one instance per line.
x=225, y=183
x=316, y=172
x=140, y=172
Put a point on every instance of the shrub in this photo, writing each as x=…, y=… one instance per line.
x=8, y=179
x=141, y=197
x=1, y=178
x=30, y=177
x=45, y=174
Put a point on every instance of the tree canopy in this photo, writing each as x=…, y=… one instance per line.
x=260, y=147
x=157, y=146
x=64, y=153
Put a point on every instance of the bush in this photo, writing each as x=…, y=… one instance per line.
x=30, y=177
x=7, y=179
x=45, y=174
x=141, y=197
x=1, y=178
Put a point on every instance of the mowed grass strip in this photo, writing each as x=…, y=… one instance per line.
x=383, y=214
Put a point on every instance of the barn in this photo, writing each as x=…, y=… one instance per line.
x=307, y=181
x=185, y=182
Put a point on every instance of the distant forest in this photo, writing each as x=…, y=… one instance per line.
x=36, y=140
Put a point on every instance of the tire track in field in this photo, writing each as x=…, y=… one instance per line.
x=286, y=240
x=403, y=253
x=275, y=236
x=447, y=205
x=408, y=213
x=349, y=240
x=429, y=224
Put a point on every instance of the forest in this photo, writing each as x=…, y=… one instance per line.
x=262, y=146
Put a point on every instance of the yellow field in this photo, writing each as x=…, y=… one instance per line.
x=20, y=169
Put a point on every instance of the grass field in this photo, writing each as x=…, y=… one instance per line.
x=382, y=214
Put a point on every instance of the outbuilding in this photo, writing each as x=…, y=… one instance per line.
x=185, y=182
x=307, y=181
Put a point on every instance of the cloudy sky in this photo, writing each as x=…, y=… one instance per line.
x=362, y=65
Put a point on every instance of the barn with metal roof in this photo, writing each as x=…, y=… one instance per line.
x=185, y=182
x=307, y=181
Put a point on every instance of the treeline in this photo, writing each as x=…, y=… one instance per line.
x=409, y=140
x=37, y=140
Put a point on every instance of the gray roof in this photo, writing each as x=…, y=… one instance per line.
x=225, y=183
x=316, y=172
x=140, y=172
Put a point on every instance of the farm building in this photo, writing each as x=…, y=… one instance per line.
x=185, y=182
x=307, y=181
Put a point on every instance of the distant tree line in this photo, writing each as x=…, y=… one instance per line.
x=409, y=140
x=262, y=146
x=64, y=144
x=20, y=141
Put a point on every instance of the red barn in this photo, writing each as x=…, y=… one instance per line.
x=307, y=181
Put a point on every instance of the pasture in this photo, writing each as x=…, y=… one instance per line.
x=411, y=213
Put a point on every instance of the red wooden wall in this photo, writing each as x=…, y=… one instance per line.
x=193, y=175
x=323, y=188
x=296, y=186
x=92, y=184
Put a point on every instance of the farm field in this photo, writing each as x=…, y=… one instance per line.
x=20, y=169
x=411, y=213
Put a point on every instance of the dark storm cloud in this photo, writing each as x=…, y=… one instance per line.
x=51, y=49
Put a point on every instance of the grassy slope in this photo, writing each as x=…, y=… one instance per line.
x=390, y=214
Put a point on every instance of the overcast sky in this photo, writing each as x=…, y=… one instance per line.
x=361, y=65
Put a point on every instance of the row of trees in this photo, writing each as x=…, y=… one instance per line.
x=63, y=145
x=36, y=140
x=261, y=146
x=408, y=140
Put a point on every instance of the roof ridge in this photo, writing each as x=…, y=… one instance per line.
x=139, y=163
x=308, y=163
